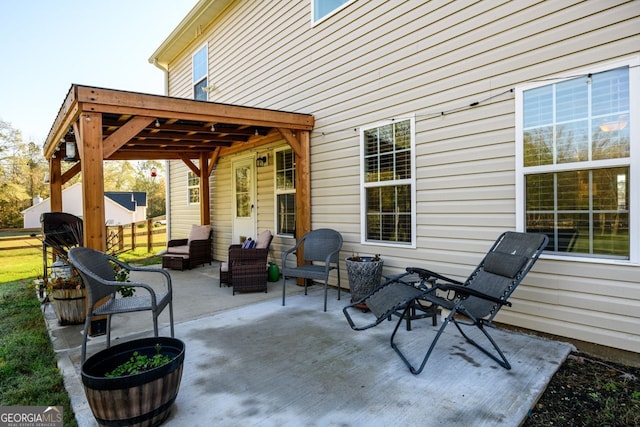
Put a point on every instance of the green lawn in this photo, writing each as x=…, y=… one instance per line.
x=29, y=375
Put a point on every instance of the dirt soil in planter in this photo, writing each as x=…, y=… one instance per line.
x=587, y=391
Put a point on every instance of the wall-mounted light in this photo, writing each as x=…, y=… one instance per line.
x=262, y=161
x=70, y=151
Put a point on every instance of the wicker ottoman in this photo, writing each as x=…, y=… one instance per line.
x=175, y=262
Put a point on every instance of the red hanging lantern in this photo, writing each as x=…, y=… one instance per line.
x=154, y=173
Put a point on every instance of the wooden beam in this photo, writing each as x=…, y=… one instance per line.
x=138, y=104
x=213, y=160
x=253, y=143
x=93, y=181
x=55, y=184
x=205, y=211
x=187, y=161
x=71, y=172
x=303, y=185
x=157, y=154
x=293, y=142
x=124, y=134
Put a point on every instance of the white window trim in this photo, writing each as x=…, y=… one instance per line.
x=633, y=162
x=194, y=82
x=411, y=181
x=277, y=192
x=189, y=187
x=328, y=15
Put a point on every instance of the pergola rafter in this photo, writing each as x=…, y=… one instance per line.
x=110, y=124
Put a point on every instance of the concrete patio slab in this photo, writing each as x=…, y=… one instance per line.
x=257, y=363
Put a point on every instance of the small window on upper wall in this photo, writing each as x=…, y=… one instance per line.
x=200, y=72
x=320, y=9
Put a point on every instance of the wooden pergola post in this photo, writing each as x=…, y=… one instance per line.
x=303, y=185
x=205, y=211
x=55, y=184
x=91, y=157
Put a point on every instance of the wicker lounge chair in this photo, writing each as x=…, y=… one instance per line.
x=474, y=302
x=191, y=252
x=99, y=278
x=321, y=249
x=246, y=269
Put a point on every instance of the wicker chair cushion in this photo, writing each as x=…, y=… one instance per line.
x=199, y=232
x=263, y=240
x=178, y=250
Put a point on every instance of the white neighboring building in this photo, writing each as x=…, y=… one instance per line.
x=121, y=207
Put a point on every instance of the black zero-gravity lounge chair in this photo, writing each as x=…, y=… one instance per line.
x=474, y=302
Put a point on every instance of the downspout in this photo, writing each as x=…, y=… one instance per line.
x=167, y=171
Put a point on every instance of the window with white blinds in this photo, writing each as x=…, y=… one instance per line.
x=388, y=183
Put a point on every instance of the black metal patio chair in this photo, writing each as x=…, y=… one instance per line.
x=474, y=302
x=99, y=278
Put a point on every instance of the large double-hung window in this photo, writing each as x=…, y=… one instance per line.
x=577, y=162
x=388, y=183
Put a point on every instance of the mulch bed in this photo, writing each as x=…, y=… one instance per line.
x=587, y=391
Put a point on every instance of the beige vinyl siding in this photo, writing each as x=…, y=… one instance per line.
x=222, y=203
x=182, y=214
x=374, y=61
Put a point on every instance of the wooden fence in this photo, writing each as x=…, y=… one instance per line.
x=150, y=234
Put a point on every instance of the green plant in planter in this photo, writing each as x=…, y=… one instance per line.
x=122, y=275
x=139, y=363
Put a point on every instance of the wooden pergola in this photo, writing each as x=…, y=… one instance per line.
x=108, y=124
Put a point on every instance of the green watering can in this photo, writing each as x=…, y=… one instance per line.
x=273, y=272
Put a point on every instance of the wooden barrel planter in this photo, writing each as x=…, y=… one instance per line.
x=70, y=305
x=143, y=399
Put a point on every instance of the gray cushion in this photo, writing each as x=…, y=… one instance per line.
x=504, y=264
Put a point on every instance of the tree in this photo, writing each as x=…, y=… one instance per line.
x=22, y=170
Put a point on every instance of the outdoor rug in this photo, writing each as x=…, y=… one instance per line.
x=268, y=365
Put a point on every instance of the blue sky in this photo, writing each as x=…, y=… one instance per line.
x=48, y=45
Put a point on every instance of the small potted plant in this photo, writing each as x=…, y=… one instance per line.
x=134, y=383
x=365, y=273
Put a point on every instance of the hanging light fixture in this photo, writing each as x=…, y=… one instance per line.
x=69, y=151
